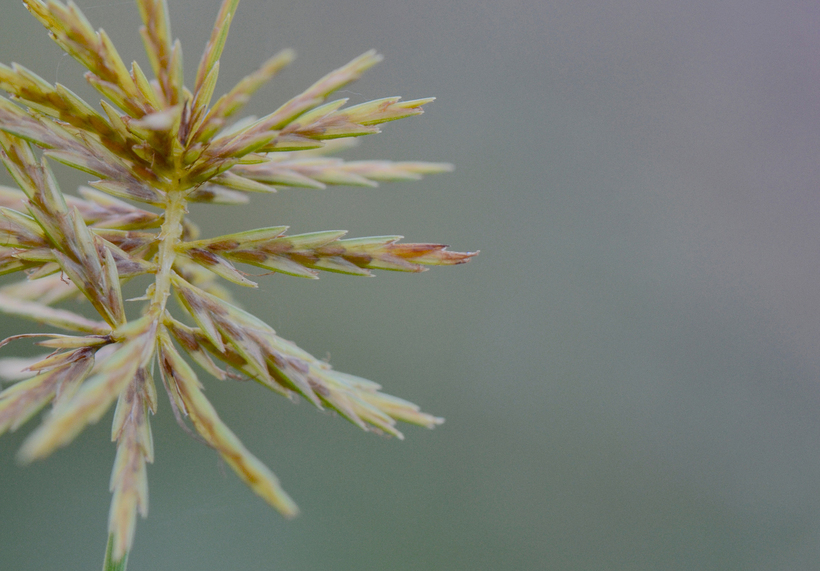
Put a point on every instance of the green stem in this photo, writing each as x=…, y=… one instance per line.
x=109, y=564
x=169, y=236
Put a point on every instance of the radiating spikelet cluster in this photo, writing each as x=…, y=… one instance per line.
x=161, y=145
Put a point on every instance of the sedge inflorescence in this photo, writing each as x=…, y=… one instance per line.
x=152, y=148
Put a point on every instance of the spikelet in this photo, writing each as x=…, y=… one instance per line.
x=152, y=147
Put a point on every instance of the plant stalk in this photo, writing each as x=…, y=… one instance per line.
x=169, y=236
x=109, y=564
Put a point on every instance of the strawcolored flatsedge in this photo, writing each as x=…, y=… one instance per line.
x=152, y=147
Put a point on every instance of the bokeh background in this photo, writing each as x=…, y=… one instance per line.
x=629, y=370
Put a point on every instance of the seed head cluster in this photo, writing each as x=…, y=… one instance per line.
x=153, y=147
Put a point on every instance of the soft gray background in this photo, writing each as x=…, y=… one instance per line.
x=629, y=370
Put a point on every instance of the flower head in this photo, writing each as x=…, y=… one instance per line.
x=154, y=147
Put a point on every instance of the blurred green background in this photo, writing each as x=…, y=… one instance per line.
x=628, y=370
